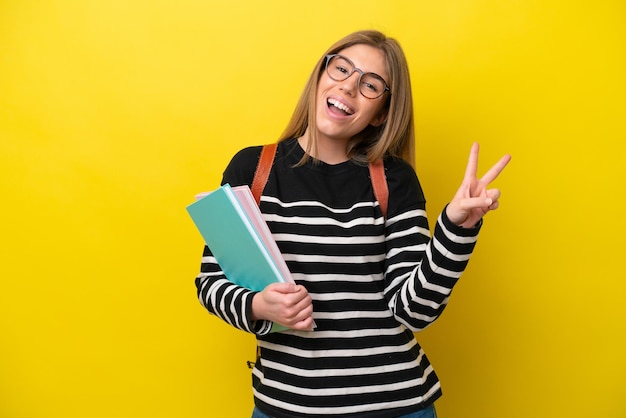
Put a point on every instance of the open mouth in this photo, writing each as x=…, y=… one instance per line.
x=340, y=106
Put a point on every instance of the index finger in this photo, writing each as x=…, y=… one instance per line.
x=495, y=171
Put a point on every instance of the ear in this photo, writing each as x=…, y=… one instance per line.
x=380, y=119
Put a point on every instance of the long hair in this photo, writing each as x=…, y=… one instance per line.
x=396, y=136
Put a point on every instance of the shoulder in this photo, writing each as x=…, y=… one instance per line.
x=240, y=169
x=405, y=191
x=400, y=174
x=398, y=167
x=242, y=166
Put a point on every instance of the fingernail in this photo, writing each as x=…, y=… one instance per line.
x=488, y=201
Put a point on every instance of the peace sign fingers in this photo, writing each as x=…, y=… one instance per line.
x=473, y=200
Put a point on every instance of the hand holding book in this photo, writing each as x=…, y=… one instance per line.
x=285, y=303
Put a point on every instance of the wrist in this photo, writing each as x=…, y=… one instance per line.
x=257, y=307
x=464, y=228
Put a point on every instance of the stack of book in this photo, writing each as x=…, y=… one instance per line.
x=232, y=226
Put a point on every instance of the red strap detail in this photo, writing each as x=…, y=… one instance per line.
x=262, y=173
x=379, y=184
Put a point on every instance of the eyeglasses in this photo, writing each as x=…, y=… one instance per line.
x=340, y=68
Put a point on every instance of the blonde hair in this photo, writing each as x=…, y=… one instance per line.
x=396, y=136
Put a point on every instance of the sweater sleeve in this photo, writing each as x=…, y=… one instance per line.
x=221, y=297
x=420, y=271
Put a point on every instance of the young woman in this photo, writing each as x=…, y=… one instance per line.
x=364, y=282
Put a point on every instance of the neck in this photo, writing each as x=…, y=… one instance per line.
x=328, y=150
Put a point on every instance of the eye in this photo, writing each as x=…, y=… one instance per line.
x=342, y=69
x=372, y=83
x=339, y=68
x=371, y=87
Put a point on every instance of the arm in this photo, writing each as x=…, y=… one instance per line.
x=227, y=301
x=421, y=272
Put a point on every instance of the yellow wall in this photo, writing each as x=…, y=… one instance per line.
x=113, y=114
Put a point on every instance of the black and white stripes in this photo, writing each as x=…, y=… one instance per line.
x=373, y=283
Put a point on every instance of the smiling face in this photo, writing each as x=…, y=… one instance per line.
x=341, y=110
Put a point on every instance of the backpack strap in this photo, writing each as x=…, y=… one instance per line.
x=379, y=184
x=262, y=173
x=266, y=160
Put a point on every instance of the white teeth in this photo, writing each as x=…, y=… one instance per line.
x=340, y=106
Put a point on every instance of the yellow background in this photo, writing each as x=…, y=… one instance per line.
x=113, y=114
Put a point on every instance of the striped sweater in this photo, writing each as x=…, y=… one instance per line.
x=373, y=283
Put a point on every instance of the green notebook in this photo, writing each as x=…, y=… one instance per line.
x=232, y=226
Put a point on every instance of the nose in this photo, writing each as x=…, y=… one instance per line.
x=351, y=84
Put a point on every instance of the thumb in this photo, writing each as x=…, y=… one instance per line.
x=287, y=287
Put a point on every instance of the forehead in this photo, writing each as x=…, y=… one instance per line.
x=367, y=58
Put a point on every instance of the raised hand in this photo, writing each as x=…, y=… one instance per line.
x=473, y=199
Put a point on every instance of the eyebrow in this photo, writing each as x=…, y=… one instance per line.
x=365, y=71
